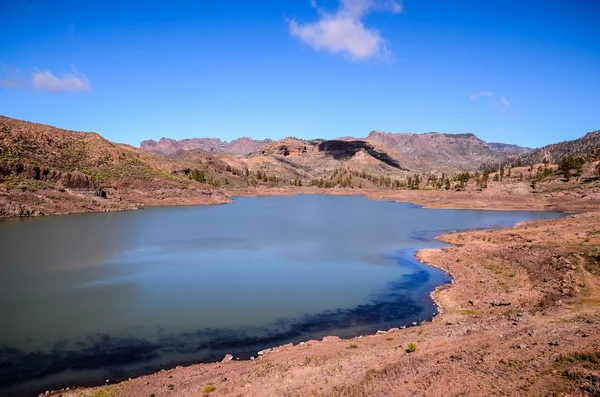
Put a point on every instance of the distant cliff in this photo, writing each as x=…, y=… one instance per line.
x=241, y=146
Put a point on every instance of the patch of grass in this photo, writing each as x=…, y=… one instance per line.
x=566, y=359
x=389, y=339
x=411, y=347
x=110, y=391
x=468, y=312
x=575, y=375
x=352, y=346
x=171, y=387
x=209, y=388
x=590, y=357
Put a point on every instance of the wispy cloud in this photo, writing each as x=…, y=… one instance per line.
x=47, y=81
x=343, y=31
x=10, y=83
x=501, y=104
x=480, y=94
x=504, y=104
x=13, y=78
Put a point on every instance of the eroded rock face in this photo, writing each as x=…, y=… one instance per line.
x=76, y=180
x=71, y=180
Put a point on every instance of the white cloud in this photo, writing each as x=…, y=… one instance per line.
x=68, y=82
x=343, y=31
x=503, y=104
x=14, y=78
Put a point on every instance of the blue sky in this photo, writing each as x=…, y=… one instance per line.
x=525, y=72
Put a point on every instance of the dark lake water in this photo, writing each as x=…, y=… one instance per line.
x=85, y=298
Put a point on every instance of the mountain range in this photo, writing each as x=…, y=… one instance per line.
x=418, y=151
x=47, y=170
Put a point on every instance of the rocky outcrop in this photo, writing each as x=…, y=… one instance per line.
x=340, y=149
x=11, y=209
x=286, y=147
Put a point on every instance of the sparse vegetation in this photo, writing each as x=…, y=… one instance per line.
x=352, y=346
x=411, y=347
x=110, y=391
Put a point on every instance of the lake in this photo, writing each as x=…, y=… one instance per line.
x=90, y=297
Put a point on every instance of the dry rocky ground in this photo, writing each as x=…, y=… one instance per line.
x=522, y=317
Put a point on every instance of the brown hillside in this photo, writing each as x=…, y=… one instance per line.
x=44, y=169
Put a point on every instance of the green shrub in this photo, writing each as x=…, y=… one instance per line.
x=411, y=347
x=209, y=388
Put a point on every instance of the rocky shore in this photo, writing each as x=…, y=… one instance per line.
x=521, y=317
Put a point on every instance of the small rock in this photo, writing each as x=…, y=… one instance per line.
x=228, y=357
x=381, y=332
x=554, y=343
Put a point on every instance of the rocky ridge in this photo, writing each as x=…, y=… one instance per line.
x=240, y=146
x=586, y=147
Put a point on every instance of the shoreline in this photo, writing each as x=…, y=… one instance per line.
x=431, y=199
x=423, y=256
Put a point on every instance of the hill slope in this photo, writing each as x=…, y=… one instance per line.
x=586, y=147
